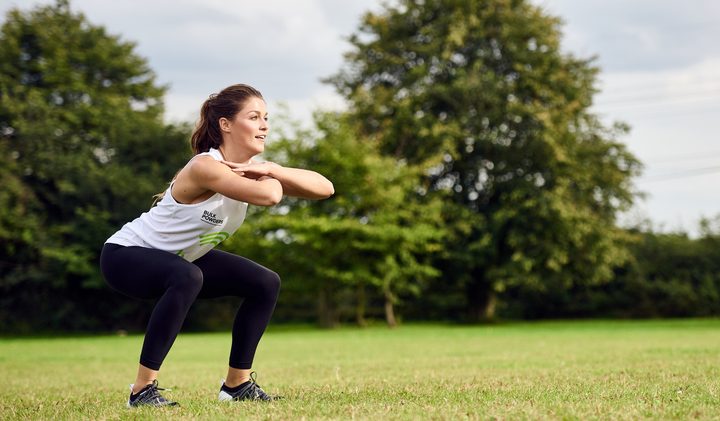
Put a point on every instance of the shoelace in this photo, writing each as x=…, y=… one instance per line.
x=153, y=392
x=255, y=388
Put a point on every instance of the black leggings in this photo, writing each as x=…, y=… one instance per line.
x=149, y=273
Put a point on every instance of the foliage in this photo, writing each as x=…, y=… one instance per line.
x=667, y=275
x=83, y=148
x=677, y=275
x=480, y=91
x=373, y=233
x=468, y=168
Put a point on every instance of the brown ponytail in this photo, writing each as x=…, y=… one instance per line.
x=226, y=103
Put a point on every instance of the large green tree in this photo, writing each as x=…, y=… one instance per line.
x=371, y=239
x=480, y=92
x=82, y=150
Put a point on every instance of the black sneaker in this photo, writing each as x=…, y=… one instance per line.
x=149, y=396
x=249, y=390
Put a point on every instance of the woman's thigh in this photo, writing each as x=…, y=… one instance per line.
x=226, y=274
x=142, y=272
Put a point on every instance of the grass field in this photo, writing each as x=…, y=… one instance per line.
x=547, y=370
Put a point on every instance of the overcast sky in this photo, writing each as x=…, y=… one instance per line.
x=660, y=62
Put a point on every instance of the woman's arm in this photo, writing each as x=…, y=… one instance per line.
x=209, y=174
x=295, y=182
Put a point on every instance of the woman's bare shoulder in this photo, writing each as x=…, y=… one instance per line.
x=202, y=166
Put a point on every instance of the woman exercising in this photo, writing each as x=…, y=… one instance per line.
x=167, y=253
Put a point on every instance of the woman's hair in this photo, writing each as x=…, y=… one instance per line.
x=226, y=103
x=207, y=134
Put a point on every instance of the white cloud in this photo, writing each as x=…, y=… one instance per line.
x=663, y=104
x=323, y=99
x=639, y=34
x=673, y=116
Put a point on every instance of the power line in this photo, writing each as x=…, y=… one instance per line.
x=659, y=96
x=684, y=158
x=649, y=114
x=665, y=102
x=635, y=89
x=662, y=95
x=681, y=174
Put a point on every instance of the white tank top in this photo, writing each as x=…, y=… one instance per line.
x=189, y=231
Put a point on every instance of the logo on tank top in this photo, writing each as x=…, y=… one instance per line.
x=210, y=218
x=213, y=238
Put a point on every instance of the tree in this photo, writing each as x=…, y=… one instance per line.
x=79, y=112
x=480, y=92
x=679, y=276
x=19, y=225
x=372, y=235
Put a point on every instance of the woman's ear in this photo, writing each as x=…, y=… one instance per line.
x=224, y=124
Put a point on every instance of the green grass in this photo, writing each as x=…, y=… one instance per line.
x=549, y=370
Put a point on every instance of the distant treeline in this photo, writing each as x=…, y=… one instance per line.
x=472, y=181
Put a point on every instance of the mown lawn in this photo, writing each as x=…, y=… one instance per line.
x=547, y=370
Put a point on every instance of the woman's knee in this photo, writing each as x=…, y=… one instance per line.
x=271, y=284
x=188, y=279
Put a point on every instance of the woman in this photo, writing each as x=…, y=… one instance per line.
x=167, y=253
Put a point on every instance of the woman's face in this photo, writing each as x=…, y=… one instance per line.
x=249, y=127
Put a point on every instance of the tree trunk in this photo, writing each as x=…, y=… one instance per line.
x=390, y=310
x=327, y=313
x=482, y=301
x=360, y=306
